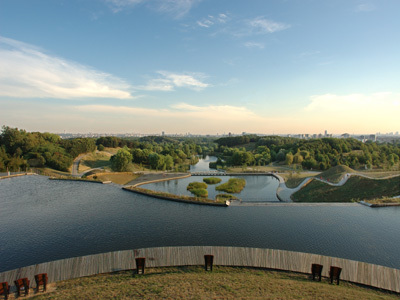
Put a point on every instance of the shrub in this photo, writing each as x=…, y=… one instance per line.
x=196, y=185
x=234, y=185
x=200, y=192
x=226, y=197
x=212, y=180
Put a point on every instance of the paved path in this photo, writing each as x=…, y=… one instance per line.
x=75, y=165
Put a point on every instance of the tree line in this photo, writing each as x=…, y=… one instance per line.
x=20, y=150
x=317, y=154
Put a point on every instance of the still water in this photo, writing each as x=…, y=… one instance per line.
x=43, y=220
x=258, y=188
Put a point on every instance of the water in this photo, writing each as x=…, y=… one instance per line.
x=203, y=164
x=43, y=220
x=258, y=188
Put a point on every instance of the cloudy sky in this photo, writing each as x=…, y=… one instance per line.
x=200, y=66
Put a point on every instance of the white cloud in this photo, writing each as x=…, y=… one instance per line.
x=186, y=118
x=178, y=8
x=27, y=72
x=365, y=7
x=254, y=45
x=360, y=112
x=118, y=5
x=170, y=81
x=211, y=20
x=228, y=24
x=261, y=25
x=360, y=103
x=205, y=23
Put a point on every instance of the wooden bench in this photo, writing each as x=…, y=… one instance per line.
x=22, y=284
x=4, y=290
x=41, y=279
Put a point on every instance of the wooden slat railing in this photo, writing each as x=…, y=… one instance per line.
x=353, y=271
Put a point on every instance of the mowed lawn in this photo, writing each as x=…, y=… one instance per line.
x=221, y=283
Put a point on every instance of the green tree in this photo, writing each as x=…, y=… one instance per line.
x=121, y=160
x=289, y=158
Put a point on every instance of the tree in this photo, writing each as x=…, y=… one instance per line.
x=121, y=160
x=169, y=162
x=289, y=158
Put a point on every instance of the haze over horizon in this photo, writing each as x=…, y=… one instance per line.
x=200, y=66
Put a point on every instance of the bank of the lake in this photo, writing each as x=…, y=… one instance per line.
x=43, y=220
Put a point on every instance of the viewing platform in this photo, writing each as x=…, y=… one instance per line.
x=353, y=271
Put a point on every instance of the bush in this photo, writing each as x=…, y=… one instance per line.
x=226, y=197
x=196, y=185
x=212, y=180
x=200, y=192
x=234, y=185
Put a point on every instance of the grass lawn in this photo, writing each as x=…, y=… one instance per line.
x=95, y=160
x=293, y=180
x=356, y=188
x=118, y=177
x=335, y=174
x=195, y=283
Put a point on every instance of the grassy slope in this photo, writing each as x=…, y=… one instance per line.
x=336, y=173
x=118, y=177
x=357, y=188
x=195, y=283
x=95, y=160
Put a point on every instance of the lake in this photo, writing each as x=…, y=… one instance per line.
x=43, y=220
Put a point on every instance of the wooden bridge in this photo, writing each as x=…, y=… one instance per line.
x=353, y=271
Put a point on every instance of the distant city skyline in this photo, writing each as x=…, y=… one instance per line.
x=200, y=66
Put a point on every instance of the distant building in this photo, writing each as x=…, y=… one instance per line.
x=345, y=135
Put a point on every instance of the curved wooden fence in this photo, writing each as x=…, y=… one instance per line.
x=353, y=271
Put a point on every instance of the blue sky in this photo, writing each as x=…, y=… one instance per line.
x=200, y=66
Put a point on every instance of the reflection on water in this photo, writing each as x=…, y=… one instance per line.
x=203, y=164
x=43, y=220
x=258, y=188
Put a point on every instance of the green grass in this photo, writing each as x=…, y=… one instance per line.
x=115, y=177
x=95, y=160
x=221, y=283
x=196, y=185
x=226, y=197
x=293, y=180
x=356, y=188
x=234, y=185
x=384, y=200
x=212, y=180
x=199, y=192
x=336, y=173
x=173, y=196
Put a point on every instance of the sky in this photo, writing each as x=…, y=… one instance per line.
x=200, y=66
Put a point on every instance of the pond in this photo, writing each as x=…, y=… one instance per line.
x=43, y=220
x=258, y=188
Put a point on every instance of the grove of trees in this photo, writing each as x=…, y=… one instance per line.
x=20, y=150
